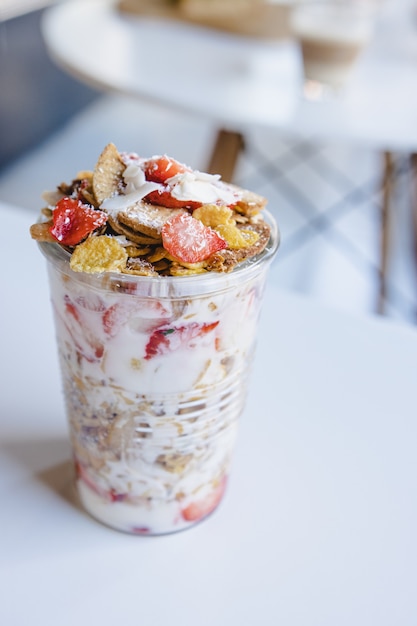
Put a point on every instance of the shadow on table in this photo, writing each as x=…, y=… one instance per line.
x=50, y=463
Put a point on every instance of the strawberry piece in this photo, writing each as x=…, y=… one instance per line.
x=188, y=240
x=87, y=344
x=141, y=530
x=201, y=508
x=163, y=341
x=91, y=303
x=116, y=316
x=73, y=221
x=163, y=197
x=81, y=473
x=159, y=169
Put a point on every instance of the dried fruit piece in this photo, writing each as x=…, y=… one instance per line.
x=99, y=254
x=73, y=221
x=188, y=240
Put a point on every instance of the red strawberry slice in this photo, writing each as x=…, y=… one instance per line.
x=86, y=343
x=201, y=508
x=163, y=197
x=159, y=169
x=81, y=473
x=188, y=240
x=90, y=302
x=166, y=340
x=73, y=221
x=116, y=316
x=145, y=318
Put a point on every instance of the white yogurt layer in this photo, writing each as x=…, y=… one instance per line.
x=154, y=389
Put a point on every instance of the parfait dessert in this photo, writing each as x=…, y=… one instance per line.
x=156, y=275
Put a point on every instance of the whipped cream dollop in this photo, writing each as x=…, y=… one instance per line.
x=200, y=187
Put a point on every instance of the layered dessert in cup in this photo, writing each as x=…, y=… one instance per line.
x=156, y=276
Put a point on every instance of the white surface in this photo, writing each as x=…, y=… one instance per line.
x=318, y=525
x=241, y=82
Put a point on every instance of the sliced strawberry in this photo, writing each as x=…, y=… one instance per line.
x=82, y=474
x=159, y=169
x=92, y=302
x=86, y=343
x=116, y=316
x=188, y=240
x=163, y=197
x=201, y=508
x=163, y=341
x=144, y=318
x=73, y=221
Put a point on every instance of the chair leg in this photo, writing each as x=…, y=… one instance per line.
x=414, y=198
x=385, y=226
x=226, y=151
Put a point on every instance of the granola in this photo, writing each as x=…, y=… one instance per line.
x=155, y=202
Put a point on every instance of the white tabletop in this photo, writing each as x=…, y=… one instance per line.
x=317, y=527
x=242, y=81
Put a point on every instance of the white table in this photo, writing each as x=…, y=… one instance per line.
x=317, y=527
x=243, y=82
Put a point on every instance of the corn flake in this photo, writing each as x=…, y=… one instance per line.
x=99, y=254
x=237, y=238
x=212, y=215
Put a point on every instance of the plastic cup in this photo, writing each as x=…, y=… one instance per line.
x=155, y=373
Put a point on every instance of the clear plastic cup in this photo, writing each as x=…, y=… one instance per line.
x=155, y=373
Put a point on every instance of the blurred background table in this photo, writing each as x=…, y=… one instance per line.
x=249, y=82
x=239, y=81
